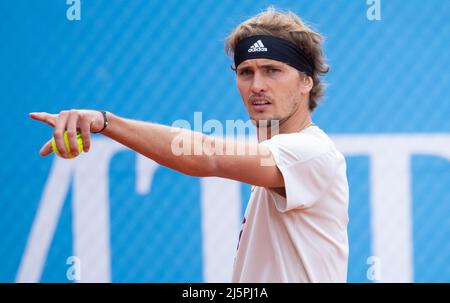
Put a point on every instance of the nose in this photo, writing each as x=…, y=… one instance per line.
x=258, y=84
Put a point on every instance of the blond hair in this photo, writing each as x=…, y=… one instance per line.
x=288, y=26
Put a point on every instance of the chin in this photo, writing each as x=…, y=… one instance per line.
x=260, y=116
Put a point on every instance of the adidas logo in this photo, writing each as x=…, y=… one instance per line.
x=257, y=47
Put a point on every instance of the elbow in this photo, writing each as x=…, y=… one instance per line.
x=204, y=164
x=199, y=166
x=206, y=167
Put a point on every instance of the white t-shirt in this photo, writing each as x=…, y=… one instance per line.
x=303, y=237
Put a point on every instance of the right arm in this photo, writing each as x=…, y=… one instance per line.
x=157, y=142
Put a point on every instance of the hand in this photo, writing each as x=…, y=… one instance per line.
x=84, y=121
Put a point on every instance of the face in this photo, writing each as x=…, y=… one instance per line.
x=272, y=90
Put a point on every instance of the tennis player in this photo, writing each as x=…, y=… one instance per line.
x=295, y=224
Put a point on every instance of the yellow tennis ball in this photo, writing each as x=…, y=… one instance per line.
x=66, y=141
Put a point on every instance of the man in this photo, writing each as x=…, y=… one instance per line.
x=295, y=225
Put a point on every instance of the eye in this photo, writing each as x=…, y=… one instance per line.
x=272, y=70
x=244, y=72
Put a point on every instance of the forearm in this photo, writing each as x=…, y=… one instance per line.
x=163, y=144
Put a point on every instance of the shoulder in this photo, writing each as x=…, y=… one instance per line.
x=300, y=147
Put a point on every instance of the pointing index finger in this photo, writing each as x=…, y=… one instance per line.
x=50, y=119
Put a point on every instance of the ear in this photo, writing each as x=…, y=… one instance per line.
x=307, y=84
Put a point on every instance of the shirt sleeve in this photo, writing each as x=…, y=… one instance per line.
x=307, y=166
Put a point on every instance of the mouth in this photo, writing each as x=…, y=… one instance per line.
x=260, y=104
